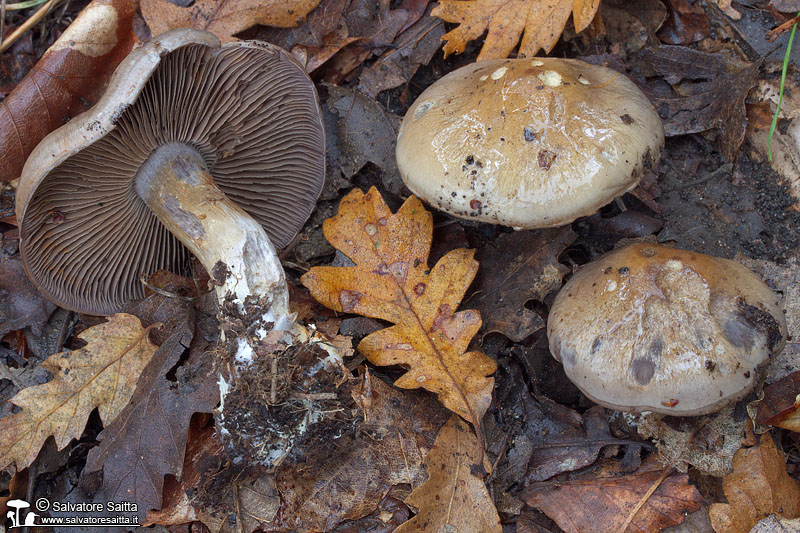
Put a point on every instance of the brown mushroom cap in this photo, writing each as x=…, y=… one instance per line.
x=651, y=328
x=528, y=143
x=248, y=108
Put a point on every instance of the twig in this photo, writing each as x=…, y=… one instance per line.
x=28, y=24
x=775, y=33
x=3, y=8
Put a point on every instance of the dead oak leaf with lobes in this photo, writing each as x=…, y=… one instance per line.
x=227, y=18
x=540, y=22
x=758, y=486
x=102, y=375
x=453, y=498
x=391, y=281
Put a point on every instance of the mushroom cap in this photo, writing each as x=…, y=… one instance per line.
x=652, y=328
x=528, y=143
x=247, y=107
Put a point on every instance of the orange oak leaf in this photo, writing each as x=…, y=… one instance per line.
x=453, y=498
x=71, y=75
x=391, y=281
x=758, y=487
x=540, y=22
x=225, y=19
x=102, y=375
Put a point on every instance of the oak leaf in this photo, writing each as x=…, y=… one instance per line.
x=781, y=404
x=757, y=487
x=391, y=281
x=102, y=375
x=453, y=498
x=70, y=76
x=225, y=19
x=601, y=500
x=540, y=22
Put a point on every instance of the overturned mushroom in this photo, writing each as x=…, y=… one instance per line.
x=528, y=143
x=217, y=150
x=195, y=147
x=652, y=328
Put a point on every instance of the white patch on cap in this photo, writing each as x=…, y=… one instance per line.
x=484, y=77
x=499, y=73
x=674, y=264
x=423, y=108
x=583, y=80
x=551, y=78
x=611, y=285
x=536, y=63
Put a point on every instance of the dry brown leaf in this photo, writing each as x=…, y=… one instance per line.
x=781, y=404
x=600, y=500
x=391, y=281
x=225, y=19
x=70, y=76
x=757, y=487
x=453, y=498
x=542, y=22
x=102, y=375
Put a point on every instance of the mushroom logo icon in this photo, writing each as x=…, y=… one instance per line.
x=16, y=505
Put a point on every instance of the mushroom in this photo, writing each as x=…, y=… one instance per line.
x=651, y=328
x=217, y=150
x=528, y=143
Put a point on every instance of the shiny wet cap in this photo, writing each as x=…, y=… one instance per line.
x=652, y=328
x=248, y=108
x=528, y=143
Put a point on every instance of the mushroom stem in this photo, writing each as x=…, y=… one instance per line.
x=176, y=185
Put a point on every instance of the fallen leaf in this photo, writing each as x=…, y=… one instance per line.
x=68, y=78
x=781, y=404
x=411, y=49
x=598, y=500
x=360, y=131
x=773, y=524
x=148, y=438
x=685, y=24
x=391, y=281
x=453, y=498
x=21, y=304
x=518, y=267
x=225, y=19
x=542, y=22
x=348, y=478
x=100, y=375
x=385, y=519
x=707, y=92
x=560, y=439
x=757, y=487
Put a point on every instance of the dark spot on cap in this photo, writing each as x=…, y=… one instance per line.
x=643, y=370
x=747, y=374
x=739, y=332
x=469, y=160
x=598, y=342
x=764, y=322
x=623, y=271
x=607, y=270
x=546, y=159
x=710, y=365
x=529, y=134
x=626, y=119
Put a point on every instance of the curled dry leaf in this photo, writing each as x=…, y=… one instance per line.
x=539, y=22
x=599, y=500
x=225, y=19
x=102, y=375
x=453, y=498
x=71, y=73
x=757, y=487
x=781, y=404
x=391, y=281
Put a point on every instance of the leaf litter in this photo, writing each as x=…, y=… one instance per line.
x=387, y=50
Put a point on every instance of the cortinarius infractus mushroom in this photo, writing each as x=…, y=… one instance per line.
x=214, y=149
x=527, y=143
x=652, y=328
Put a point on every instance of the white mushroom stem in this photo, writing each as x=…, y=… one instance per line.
x=176, y=185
